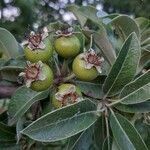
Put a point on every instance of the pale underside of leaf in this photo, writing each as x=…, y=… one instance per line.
x=137, y=91
x=63, y=118
x=136, y=84
x=125, y=134
x=62, y=129
x=75, y=10
x=143, y=107
x=125, y=26
x=138, y=96
x=8, y=43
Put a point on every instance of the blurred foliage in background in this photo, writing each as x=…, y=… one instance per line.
x=19, y=16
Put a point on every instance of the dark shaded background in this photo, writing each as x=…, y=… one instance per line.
x=20, y=15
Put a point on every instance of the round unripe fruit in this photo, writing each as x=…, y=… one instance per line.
x=68, y=46
x=81, y=72
x=39, y=54
x=41, y=85
x=62, y=88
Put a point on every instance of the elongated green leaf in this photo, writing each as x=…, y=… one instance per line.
x=2, y=62
x=147, y=141
x=134, y=108
x=75, y=10
x=105, y=146
x=62, y=123
x=92, y=138
x=138, y=96
x=136, y=84
x=54, y=26
x=8, y=44
x=142, y=128
x=9, y=146
x=125, y=26
x=137, y=91
x=90, y=89
x=143, y=23
x=3, y=116
x=107, y=18
x=22, y=100
x=10, y=69
x=9, y=75
x=125, y=134
x=115, y=146
x=81, y=141
x=124, y=68
x=144, y=60
x=145, y=35
x=90, y=12
x=146, y=43
x=13, y=64
x=7, y=134
x=81, y=37
x=73, y=140
x=19, y=127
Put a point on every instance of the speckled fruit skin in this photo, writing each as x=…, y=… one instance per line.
x=67, y=46
x=45, y=84
x=39, y=54
x=61, y=88
x=81, y=72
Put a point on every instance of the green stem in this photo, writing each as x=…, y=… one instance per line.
x=64, y=68
x=91, y=41
x=76, y=32
x=57, y=67
x=69, y=77
x=114, y=103
x=107, y=128
x=4, y=104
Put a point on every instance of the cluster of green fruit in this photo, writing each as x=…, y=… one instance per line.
x=38, y=50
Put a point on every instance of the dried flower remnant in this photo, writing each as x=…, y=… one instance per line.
x=35, y=40
x=33, y=72
x=69, y=96
x=64, y=32
x=92, y=60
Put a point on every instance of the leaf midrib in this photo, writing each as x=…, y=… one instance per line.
x=59, y=138
x=63, y=120
x=115, y=62
x=120, y=71
x=135, y=92
x=1, y=42
x=134, y=82
x=126, y=136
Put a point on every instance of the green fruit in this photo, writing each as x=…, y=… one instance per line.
x=68, y=46
x=81, y=72
x=41, y=85
x=39, y=54
x=56, y=103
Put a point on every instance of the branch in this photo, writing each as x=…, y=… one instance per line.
x=7, y=91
